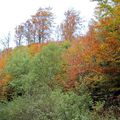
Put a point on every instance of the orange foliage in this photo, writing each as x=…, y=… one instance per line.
x=109, y=51
x=87, y=55
x=4, y=79
x=108, y=29
x=2, y=62
x=71, y=26
x=3, y=58
x=35, y=48
x=81, y=54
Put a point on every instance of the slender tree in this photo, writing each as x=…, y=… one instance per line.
x=72, y=24
x=6, y=41
x=43, y=23
x=28, y=31
x=19, y=33
x=58, y=33
x=36, y=29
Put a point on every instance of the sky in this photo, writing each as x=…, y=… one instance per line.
x=15, y=12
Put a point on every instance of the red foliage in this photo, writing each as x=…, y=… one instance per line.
x=87, y=55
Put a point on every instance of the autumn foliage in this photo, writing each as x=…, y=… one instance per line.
x=35, y=48
x=69, y=79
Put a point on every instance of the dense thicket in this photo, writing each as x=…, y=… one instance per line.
x=75, y=79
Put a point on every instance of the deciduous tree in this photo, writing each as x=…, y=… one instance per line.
x=43, y=22
x=19, y=33
x=71, y=26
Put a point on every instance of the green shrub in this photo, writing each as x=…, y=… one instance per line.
x=47, y=64
x=48, y=106
x=17, y=67
x=19, y=62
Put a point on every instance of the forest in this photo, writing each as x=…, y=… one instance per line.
x=69, y=77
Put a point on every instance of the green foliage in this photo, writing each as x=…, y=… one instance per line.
x=51, y=81
x=48, y=63
x=108, y=12
x=57, y=105
x=17, y=67
x=19, y=62
x=66, y=44
x=35, y=94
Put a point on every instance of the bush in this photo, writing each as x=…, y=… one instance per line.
x=17, y=67
x=47, y=64
x=55, y=105
x=19, y=62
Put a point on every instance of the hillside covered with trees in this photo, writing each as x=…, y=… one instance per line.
x=70, y=77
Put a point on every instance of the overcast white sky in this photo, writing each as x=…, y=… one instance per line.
x=14, y=12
